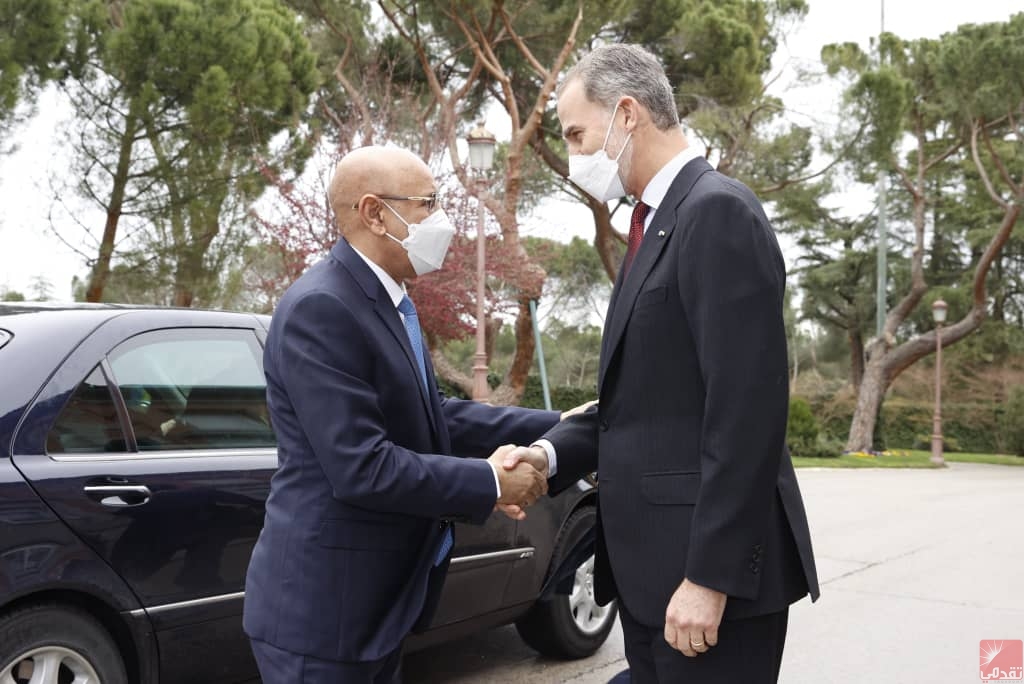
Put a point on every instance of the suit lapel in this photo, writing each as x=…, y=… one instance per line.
x=658, y=234
x=606, y=334
x=389, y=316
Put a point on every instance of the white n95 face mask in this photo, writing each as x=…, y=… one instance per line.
x=428, y=240
x=597, y=173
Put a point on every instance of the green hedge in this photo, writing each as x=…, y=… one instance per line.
x=974, y=428
x=1013, y=422
x=823, y=429
x=562, y=398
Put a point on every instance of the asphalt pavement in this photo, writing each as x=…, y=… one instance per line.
x=917, y=568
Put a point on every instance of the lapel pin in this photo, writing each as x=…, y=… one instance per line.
x=661, y=233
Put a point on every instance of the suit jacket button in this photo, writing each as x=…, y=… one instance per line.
x=603, y=425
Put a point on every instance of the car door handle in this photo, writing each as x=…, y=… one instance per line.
x=119, y=496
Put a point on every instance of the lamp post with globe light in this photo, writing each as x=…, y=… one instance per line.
x=481, y=144
x=939, y=309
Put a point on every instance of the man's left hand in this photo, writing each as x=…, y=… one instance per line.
x=577, y=410
x=692, y=618
x=512, y=511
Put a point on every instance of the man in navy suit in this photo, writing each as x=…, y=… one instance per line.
x=702, y=533
x=372, y=463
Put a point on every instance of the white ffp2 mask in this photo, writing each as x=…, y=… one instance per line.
x=428, y=240
x=598, y=174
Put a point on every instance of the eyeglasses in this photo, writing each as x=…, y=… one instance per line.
x=430, y=200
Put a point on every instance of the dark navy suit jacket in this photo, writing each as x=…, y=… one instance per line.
x=345, y=563
x=689, y=436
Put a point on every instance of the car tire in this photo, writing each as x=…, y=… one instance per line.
x=68, y=643
x=570, y=626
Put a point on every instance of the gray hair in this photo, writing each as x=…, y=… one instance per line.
x=613, y=71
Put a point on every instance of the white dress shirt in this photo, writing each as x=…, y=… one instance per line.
x=396, y=292
x=654, y=193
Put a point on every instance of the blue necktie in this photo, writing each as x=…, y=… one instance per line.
x=446, y=544
x=412, y=329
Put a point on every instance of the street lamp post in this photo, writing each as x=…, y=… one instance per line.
x=939, y=315
x=481, y=157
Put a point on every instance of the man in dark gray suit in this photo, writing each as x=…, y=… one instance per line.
x=702, y=531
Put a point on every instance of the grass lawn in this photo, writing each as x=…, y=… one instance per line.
x=901, y=458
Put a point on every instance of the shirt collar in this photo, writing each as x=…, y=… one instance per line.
x=394, y=290
x=656, y=190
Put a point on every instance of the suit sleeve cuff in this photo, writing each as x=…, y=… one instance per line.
x=549, y=448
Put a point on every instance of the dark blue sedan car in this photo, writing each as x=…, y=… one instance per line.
x=135, y=457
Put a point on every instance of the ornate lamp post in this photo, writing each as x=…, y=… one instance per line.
x=939, y=315
x=481, y=158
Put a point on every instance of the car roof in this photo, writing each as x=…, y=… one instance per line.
x=111, y=308
x=7, y=308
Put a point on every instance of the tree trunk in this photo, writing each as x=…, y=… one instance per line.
x=814, y=352
x=796, y=362
x=492, y=329
x=511, y=391
x=101, y=269
x=183, y=296
x=856, y=340
x=448, y=372
x=607, y=240
x=869, y=400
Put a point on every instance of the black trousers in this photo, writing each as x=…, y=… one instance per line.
x=278, y=666
x=749, y=651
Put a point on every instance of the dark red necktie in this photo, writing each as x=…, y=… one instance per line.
x=636, y=234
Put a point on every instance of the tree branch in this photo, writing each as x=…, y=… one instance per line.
x=537, y=115
x=905, y=178
x=357, y=97
x=998, y=161
x=942, y=157
x=981, y=168
x=523, y=49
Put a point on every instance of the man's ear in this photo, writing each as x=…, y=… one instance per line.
x=371, y=213
x=630, y=108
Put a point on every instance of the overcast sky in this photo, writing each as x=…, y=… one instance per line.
x=28, y=248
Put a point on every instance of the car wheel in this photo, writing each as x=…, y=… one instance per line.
x=49, y=644
x=572, y=626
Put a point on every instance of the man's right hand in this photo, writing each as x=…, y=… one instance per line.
x=521, y=483
x=534, y=455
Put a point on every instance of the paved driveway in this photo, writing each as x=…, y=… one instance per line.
x=917, y=567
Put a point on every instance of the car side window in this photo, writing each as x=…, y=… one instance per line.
x=88, y=423
x=194, y=389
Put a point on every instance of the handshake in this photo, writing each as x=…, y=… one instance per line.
x=523, y=473
x=522, y=477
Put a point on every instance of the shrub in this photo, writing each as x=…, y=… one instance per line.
x=1013, y=421
x=802, y=429
x=923, y=442
x=823, y=447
